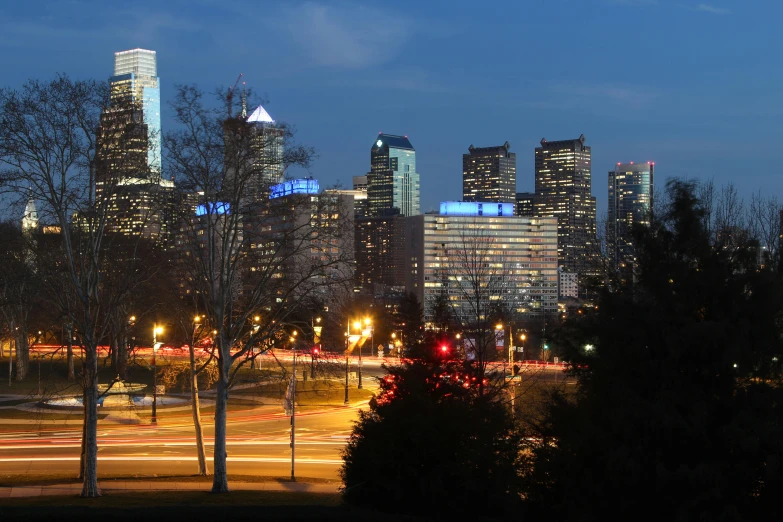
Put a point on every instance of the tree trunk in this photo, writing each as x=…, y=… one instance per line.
x=22, y=356
x=69, y=357
x=202, y=454
x=220, y=478
x=122, y=355
x=90, y=398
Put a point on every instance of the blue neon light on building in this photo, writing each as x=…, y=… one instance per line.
x=295, y=186
x=217, y=207
x=476, y=208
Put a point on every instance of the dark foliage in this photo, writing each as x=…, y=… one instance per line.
x=431, y=444
x=678, y=413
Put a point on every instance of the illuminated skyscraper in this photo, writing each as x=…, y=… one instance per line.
x=563, y=191
x=268, y=148
x=630, y=202
x=130, y=129
x=128, y=178
x=393, y=183
x=489, y=174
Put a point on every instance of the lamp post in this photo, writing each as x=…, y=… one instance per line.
x=155, y=331
x=347, y=340
x=358, y=326
x=522, y=338
x=316, y=340
x=499, y=328
x=293, y=407
x=368, y=324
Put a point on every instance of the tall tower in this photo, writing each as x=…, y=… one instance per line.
x=630, y=202
x=563, y=191
x=268, y=147
x=130, y=133
x=30, y=217
x=393, y=183
x=128, y=184
x=489, y=174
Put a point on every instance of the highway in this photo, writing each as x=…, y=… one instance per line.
x=258, y=440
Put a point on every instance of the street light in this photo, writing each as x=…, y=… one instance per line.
x=347, y=340
x=155, y=331
x=522, y=338
x=357, y=325
x=316, y=340
x=368, y=323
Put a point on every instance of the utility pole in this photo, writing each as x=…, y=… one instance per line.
x=293, y=415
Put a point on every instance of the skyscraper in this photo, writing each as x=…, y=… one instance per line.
x=268, y=148
x=128, y=177
x=393, y=183
x=563, y=191
x=130, y=130
x=630, y=202
x=489, y=174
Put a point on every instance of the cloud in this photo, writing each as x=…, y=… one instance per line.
x=349, y=37
x=615, y=93
x=712, y=9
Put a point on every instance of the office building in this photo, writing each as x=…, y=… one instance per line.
x=128, y=183
x=380, y=253
x=471, y=245
x=630, y=202
x=130, y=132
x=489, y=174
x=568, y=284
x=268, y=146
x=563, y=190
x=138, y=209
x=526, y=204
x=392, y=183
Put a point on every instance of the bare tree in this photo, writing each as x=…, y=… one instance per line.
x=244, y=253
x=479, y=283
x=764, y=222
x=49, y=144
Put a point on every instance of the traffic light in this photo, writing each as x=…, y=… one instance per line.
x=315, y=350
x=444, y=349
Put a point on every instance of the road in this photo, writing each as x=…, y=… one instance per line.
x=258, y=441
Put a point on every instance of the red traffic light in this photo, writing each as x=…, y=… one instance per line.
x=315, y=350
x=444, y=348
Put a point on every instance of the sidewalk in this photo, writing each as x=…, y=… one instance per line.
x=74, y=489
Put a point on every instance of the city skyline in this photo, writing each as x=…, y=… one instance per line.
x=404, y=76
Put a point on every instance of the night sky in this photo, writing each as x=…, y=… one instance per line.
x=693, y=86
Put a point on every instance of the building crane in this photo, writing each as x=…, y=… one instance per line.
x=230, y=95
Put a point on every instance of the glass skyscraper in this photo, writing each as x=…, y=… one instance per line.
x=393, y=183
x=136, y=80
x=630, y=202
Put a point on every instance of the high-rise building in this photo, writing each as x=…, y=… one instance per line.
x=130, y=132
x=489, y=174
x=268, y=149
x=128, y=184
x=526, y=204
x=393, y=183
x=630, y=202
x=380, y=253
x=563, y=190
x=469, y=245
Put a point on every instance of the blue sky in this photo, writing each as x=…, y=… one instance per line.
x=692, y=85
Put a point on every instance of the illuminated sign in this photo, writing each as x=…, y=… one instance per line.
x=217, y=207
x=475, y=208
x=295, y=186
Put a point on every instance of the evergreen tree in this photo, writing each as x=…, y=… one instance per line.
x=677, y=413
